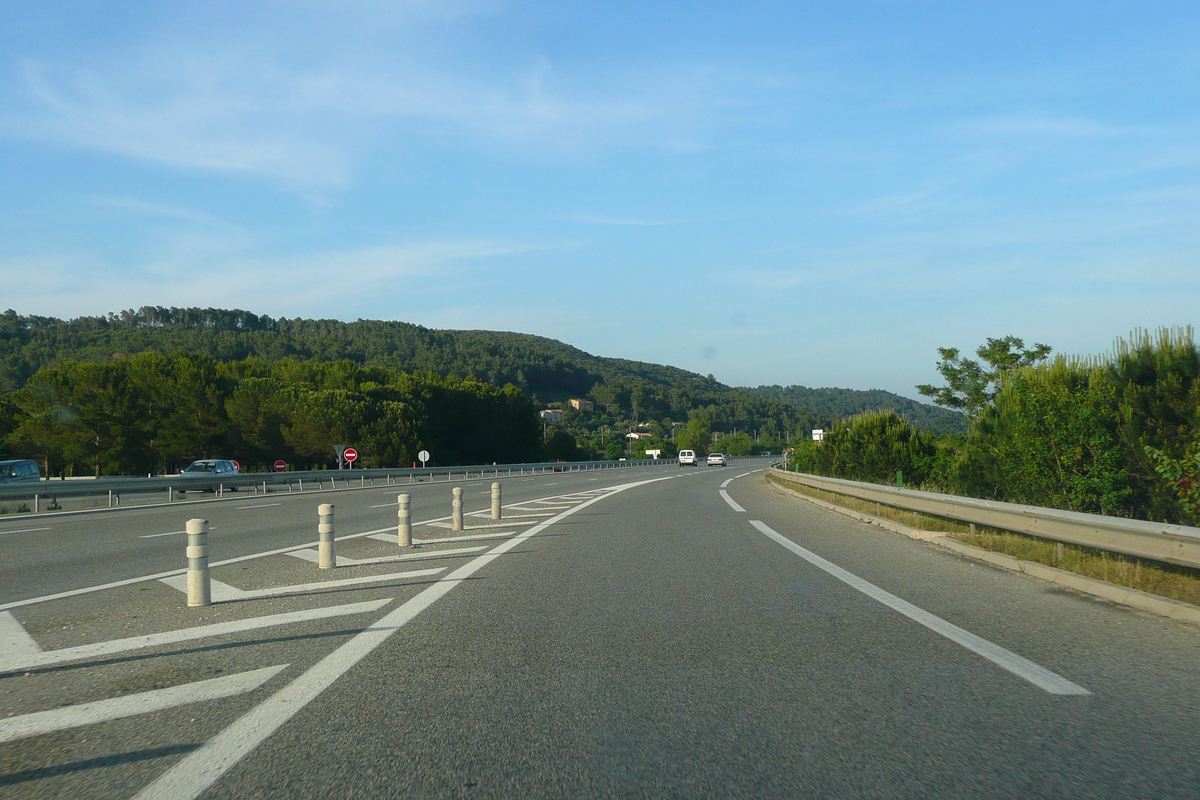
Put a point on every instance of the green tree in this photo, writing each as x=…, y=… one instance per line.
x=970, y=385
x=696, y=435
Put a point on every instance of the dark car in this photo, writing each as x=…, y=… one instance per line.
x=21, y=470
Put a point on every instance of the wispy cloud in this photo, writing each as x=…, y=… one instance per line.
x=158, y=210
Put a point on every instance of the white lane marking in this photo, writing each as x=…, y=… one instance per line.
x=26, y=530
x=86, y=651
x=15, y=641
x=314, y=556
x=264, y=505
x=550, y=484
x=229, y=593
x=732, y=504
x=744, y=474
x=726, y=483
x=1005, y=659
x=387, y=505
x=132, y=705
x=762, y=469
x=390, y=538
x=202, y=768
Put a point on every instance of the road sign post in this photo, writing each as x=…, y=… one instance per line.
x=423, y=456
x=351, y=455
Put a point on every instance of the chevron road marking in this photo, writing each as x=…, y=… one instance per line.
x=223, y=592
x=14, y=640
x=390, y=538
x=314, y=556
x=90, y=651
x=76, y=716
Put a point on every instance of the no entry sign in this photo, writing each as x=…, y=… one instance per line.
x=281, y=466
x=351, y=454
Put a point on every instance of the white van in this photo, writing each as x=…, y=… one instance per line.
x=687, y=458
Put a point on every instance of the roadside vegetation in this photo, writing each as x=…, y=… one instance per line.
x=1117, y=434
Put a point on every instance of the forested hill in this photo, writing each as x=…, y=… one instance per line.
x=847, y=402
x=546, y=369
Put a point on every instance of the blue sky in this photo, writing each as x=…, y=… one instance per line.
x=813, y=193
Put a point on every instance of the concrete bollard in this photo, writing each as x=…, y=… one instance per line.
x=456, y=508
x=199, y=584
x=496, y=500
x=326, y=557
x=404, y=527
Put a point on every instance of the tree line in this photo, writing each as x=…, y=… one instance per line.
x=155, y=412
x=1117, y=434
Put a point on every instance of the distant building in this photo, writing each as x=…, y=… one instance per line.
x=637, y=435
x=581, y=405
x=551, y=416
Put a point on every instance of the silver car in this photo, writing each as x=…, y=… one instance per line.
x=207, y=474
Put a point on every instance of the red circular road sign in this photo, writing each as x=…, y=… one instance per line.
x=351, y=454
x=281, y=466
x=236, y=466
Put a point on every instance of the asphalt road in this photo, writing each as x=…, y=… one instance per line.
x=629, y=636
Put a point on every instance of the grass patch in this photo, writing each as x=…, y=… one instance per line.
x=1154, y=577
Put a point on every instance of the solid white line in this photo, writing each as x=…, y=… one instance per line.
x=744, y=474
x=61, y=719
x=26, y=530
x=264, y=505
x=233, y=593
x=314, y=556
x=99, y=649
x=1005, y=659
x=200, y=769
x=726, y=483
x=168, y=533
x=15, y=641
x=732, y=504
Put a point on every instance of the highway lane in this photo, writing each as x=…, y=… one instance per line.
x=49, y=553
x=659, y=645
x=653, y=642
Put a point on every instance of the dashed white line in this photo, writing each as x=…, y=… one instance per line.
x=76, y=716
x=732, y=504
x=26, y=530
x=1005, y=659
x=264, y=505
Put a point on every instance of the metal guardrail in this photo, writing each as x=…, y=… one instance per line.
x=1175, y=544
x=39, y=495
